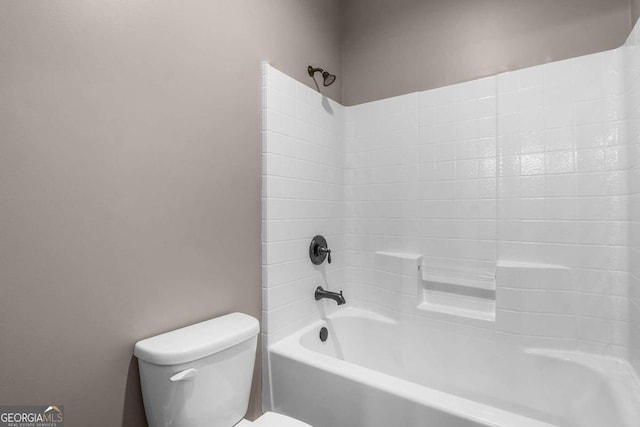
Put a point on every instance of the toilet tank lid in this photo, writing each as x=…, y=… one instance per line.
x=194, y=342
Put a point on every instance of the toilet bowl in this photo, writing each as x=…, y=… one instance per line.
x=200, y=375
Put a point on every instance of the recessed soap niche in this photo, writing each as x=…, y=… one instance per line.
x=458, y=292
x=454, y=292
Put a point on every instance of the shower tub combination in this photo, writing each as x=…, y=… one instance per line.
x=374, y=371
x=372, y=178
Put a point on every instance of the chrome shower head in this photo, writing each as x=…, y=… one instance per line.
x=327, y=77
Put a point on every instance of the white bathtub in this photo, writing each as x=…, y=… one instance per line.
x=376, y=372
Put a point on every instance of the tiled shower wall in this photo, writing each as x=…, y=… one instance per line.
x=302, y=195
x=420, y=178
x=528, y=166
x=457, y=167
x=562, y=201
x=526, y=175
x=381, y=187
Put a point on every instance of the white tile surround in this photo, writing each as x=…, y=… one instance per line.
x=532, y=176
x=562, y=195
x=302, y=195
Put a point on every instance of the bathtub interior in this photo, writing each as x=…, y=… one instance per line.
x=344, y=396
x=564, y=388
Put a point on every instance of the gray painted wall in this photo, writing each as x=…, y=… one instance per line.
x=130, y=181
x=393, y=47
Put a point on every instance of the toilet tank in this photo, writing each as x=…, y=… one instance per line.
x=199, y=375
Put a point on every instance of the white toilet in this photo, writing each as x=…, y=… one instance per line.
x=200, y=375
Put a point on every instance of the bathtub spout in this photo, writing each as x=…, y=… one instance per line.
x=337, y=297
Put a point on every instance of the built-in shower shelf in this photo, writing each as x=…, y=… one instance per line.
x=488, y=315
x=462, y=293
x=460, y=278
x=459, y=292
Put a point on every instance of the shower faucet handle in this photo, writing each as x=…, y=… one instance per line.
x=323, y=250
x=319, y=250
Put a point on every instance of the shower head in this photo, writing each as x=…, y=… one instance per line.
x=327, y=77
